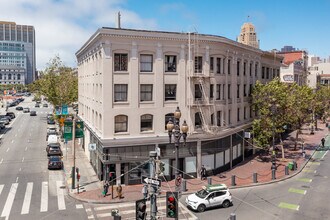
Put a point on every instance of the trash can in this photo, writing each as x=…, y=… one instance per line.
x=290, y=166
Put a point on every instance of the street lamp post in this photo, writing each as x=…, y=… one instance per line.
x=173, y=128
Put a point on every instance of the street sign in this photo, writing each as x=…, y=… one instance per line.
x=152, y=181
x=65, y=110
x=178, y=181
x=79, y=129
x=67, y=130
x=58, y=110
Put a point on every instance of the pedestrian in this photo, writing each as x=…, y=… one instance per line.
x=203, y=173
x=119, y=191
x=105, y=188
x=323, y=141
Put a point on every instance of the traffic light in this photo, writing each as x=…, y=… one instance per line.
x=172, y=205
x=141, y=209
x=161, y=167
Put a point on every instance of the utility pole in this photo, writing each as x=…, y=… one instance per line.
x=153, y=189
x=74, y=152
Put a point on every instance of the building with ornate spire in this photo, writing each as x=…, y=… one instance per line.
x=248, y=35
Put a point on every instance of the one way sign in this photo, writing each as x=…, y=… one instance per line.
x=152, y=181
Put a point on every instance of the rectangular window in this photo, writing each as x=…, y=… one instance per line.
x=238, y=67
x=256, y=70
x=223, y=91
x=198, y=64
x=244, y=68
x=146, y=123
x=244, y=113
x=120, y=92
x=238, y=113
x=238, y=85
x=250, y=69
x=211, y=64
x=229, y=68
x=218, y=97
x=250, y=90
x=211, y=91
x=212, y=119
x=121, y=122
x=120, y=62
x=229, y=95
x=262, y=72
x=229, y=115
x=170, y=92
x=198, y=92
x=251, y=114
x=145, y=92
x=170, y=63
x=267, y=73
x=146, y=62
x=219, y=118
x=218, y=65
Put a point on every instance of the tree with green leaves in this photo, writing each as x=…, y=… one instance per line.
x=58, y=83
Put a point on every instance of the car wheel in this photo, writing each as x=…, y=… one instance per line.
x=201, y=208
x=226, y=204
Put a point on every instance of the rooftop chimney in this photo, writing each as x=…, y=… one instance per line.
x=118, y=20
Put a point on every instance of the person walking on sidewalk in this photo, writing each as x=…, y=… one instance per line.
x=203, y=173
x=323, y=141
x=105, y=188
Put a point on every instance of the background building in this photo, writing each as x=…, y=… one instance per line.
x=131, y=81
x=248, y=35
x=17, y=53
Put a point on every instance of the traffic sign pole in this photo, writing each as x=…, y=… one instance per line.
x=153, y=197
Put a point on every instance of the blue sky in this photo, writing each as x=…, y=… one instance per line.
x=63, y=26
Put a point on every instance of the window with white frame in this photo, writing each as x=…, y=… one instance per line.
x=218, y=91
x=211, y=64
x=170, y=63
x=170, y=92
x=120, y=92
x=146, y=61
x=198, y=64
x=146, y=122
x=120, y=61
x=145, y=92
x=121, y=122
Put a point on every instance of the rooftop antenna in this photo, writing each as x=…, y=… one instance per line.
x=118, y=20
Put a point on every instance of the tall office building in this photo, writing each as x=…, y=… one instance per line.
x=17, y=53
x=248, y=35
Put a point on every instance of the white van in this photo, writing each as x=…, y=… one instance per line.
x=52, y=139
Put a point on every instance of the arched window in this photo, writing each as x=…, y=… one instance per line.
x=146, y=122
x=168, y=117
x=198, y=120
x=18, y=76
x=9, y=76
x=121, y=122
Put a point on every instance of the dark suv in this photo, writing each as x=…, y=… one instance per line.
x=54, y=150
x=11, y=114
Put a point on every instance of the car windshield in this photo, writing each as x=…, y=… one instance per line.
x=202, y=193
x=55, y=159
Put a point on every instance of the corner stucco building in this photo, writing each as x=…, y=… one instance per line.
x=131, y=82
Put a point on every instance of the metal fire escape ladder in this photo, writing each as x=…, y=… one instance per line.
x=204, y=105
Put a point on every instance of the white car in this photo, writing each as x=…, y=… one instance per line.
x=210, y=196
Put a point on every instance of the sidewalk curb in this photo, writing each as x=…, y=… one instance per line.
x=73, y=195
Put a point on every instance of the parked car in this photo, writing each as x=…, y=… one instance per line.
x=45, y=105
x=54, y=151
x=19, y=108
x=33, y=113
x=210, y=196
x=26, y=110
x=4, y=121
x=11, y=114
x=55, y=162
x=52, y=138
x=37, y=105
x=57, y=144
x=50, y=121
x=50, y=132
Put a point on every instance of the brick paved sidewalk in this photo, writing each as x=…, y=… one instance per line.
x=243, y=171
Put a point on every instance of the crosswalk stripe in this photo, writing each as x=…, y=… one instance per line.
x=1, y=188
x=10, y=199
x=60, y=196
x=44, y=197
x=27, y=199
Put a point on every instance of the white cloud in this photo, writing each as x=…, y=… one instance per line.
x=63, y=26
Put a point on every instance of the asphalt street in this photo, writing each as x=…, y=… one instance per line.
x=303, y=197
x=28, y=190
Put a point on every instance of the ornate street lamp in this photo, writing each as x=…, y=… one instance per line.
x=174, y=128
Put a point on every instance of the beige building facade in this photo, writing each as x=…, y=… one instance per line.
x=131, y=82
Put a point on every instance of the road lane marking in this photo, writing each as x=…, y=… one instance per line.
x=15, y=135
x=12, y=141
x=20, y=169
x=306, y=180
x=1, y=161
x=44, y=197
x=7, y=149
x=324, y=154
x=16, y=179
x=60, y=196
x=10, y=200
x=299, y=191
x=314, y=163
x=309, y=171
x=27, y=199
x=23, y=160
x=1, y=188
x=79, y=206
x=289, y=206
x=25, y=148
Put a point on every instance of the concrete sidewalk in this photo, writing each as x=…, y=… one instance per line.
x=91, y=188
